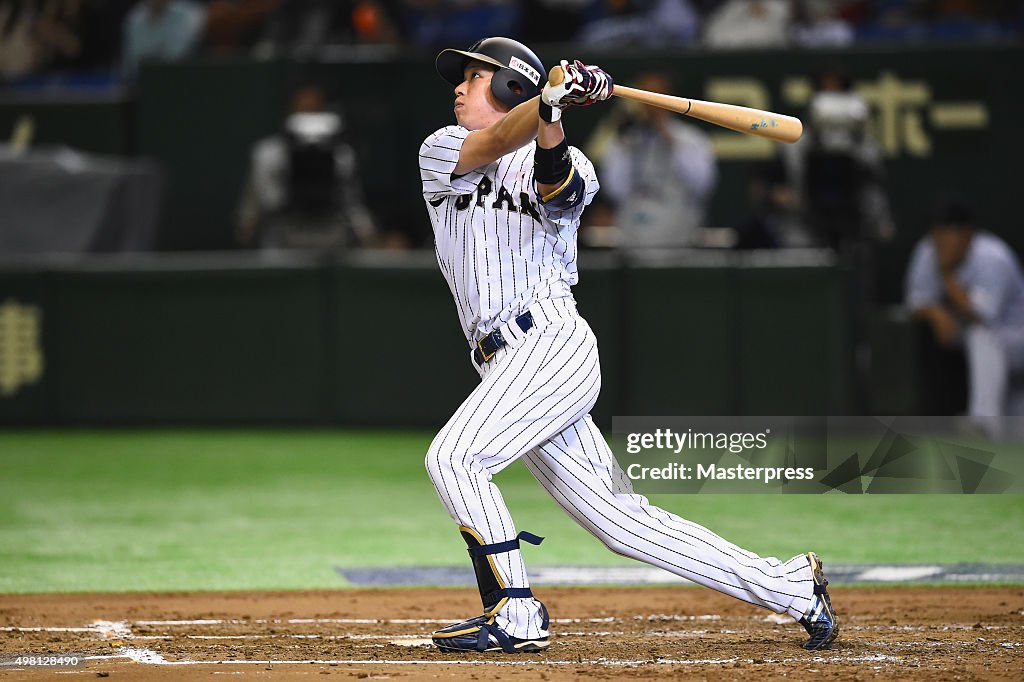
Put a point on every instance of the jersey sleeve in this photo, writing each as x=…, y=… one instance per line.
x=571, y=216
x=439, y=154
x=923, y=288
x=990, y=289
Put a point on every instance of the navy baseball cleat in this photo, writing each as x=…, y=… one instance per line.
x=483, y=634
x=820, y=620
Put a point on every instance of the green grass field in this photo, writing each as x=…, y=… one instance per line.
x=114, y=510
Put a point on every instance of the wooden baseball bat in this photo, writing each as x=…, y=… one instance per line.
x=741, y=119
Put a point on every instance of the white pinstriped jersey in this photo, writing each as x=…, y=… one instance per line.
x=499, y=249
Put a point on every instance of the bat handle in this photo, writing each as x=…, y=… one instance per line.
x=556, y=75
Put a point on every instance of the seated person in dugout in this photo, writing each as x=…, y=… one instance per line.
x=968, y=286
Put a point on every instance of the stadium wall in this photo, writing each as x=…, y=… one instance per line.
x=376, y=342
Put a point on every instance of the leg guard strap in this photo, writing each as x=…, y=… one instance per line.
x=507, y=546
x=510, y=592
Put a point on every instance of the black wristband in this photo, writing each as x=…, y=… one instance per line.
x=551, y=166
x=548, y=113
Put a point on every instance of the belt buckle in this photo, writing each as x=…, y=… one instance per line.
x=483, y=353
x=497, y=340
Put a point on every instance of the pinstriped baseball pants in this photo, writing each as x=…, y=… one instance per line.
x=533, y=403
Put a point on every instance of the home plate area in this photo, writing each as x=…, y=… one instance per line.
x=623, y=632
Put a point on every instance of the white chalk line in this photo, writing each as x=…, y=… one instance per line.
x=34, y=628
x=104, y=628
x=112, y=628
x=135, y=654
x=357, y=636
x=122, y=629
x=405, y=621
x=125, y=631
x=149, y=657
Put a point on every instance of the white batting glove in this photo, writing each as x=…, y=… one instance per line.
x=551, y=101
x=549, y=108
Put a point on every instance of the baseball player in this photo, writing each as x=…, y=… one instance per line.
x=505, y=193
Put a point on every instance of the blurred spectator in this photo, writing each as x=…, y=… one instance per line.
x=962, y=20
x=645, y=23
x=300, y=27
x=837, y=167
x=64, y=38
x=820, y=23
x=303, y=189
x=968, y=286
x=160, y=30
x=461, y=22
x=234, y=25
x=749, y=24
x=894, y=20
x=373, y=23
x=775, y=220
x=657, y=171
x=940, y=20
x=36, y=34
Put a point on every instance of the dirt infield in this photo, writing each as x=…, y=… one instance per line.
x=613, y=633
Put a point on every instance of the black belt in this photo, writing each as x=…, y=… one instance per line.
x=489, y=345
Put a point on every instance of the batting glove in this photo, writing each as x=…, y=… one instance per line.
x=598, y=84
x=582, y=86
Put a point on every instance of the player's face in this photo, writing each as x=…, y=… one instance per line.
x=951, y=244
x=475, y=104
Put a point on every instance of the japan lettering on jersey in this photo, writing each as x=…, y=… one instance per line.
x=499, y=248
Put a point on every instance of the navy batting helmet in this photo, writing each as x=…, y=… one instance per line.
x=520, y=73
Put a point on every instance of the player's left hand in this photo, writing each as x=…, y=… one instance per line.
x=583, y=85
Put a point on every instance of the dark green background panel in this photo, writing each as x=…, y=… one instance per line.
x=679, y=328
x=200, y=120
x=401, y=357
x=793, y=341
x=378, y=343
x=101, y=125
x=203, y=346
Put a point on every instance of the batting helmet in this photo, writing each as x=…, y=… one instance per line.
x=519, y=73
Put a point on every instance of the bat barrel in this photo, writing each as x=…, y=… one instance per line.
x=750, y=121
x=741, y=119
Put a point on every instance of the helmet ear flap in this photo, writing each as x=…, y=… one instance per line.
x=507, y=89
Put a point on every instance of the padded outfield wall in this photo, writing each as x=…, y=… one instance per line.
x=375, y=341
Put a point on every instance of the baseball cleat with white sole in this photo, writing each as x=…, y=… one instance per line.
x=820, y=619
x=482, y=634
